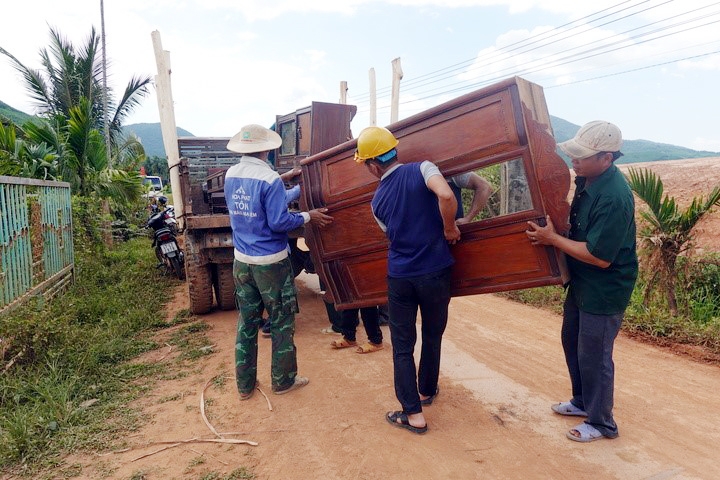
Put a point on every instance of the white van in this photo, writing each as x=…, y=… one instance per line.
x=153, y=182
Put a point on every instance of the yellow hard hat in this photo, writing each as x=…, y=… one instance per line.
x=373, y=142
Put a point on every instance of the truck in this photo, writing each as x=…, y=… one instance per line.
x=206, y=228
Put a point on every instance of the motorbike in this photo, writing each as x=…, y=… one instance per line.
x=170, y=220
x=167, y=250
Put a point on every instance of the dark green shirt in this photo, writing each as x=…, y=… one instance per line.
x=603, y=215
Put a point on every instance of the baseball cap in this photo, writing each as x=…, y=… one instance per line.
x=254, y=138
x=593, y=137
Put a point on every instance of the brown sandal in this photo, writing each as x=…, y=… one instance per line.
x=369, y=347
x=342, y=343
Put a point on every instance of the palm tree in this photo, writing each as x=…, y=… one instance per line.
x=70, y=74
x=669, y=231
x=69, y=95
x=81, y=148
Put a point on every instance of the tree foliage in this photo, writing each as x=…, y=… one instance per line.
x=70, y=74
x=68, y=143
x=668, y=232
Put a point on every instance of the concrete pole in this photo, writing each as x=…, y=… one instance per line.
x=373, y=98
x=167, y=123
x=395, y=101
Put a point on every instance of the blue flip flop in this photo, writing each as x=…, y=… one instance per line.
x=393, y=417
x=567, y=408
x=586, y=433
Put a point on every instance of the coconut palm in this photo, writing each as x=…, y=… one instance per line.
x=71, y=73
x=69, y=96
x=669, y=230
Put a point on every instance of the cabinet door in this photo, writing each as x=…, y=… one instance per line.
x=304, y=134
x=502, y=130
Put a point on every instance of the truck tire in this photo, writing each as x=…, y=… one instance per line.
x=224, y=285
x=199, y=279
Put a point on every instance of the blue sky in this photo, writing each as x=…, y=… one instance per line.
x=650, y=66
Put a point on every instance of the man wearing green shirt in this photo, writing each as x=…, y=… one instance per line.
x=603, y=266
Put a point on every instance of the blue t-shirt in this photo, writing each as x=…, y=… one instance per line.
x=408, y=212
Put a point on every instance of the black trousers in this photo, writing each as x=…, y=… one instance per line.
x=371, y=322
x=431, y=294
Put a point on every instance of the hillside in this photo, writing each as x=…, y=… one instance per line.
x=635, y=151
x=12, y=114
x=150, y=135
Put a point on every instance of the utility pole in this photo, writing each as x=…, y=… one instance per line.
x=106, y=120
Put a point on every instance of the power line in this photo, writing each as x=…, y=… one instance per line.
x=637, y=69
x=474, y=86
x=586, y=53
x=444, y=72
x=582, y=55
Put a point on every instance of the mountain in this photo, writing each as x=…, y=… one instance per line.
x=12, y=114
x=634, y=150
x=150, y=135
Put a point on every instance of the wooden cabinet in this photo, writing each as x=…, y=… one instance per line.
x=504, y=128
x=311, y=130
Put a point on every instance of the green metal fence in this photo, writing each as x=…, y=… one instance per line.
x=36, y=246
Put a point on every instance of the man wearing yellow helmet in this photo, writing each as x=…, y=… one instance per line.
x=415, y=207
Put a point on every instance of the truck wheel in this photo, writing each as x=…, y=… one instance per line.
x=225, y=286
x=199, y=280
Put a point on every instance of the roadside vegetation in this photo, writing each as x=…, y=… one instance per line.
x=71, y=366
x=63, y=371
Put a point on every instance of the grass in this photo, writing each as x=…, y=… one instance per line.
x=76, y=367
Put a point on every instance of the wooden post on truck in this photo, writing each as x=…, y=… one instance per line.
x=373, y=98
x=395, y=101
x=343, y=92
x=167, y=123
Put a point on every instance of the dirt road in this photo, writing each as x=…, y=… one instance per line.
x=502, y=368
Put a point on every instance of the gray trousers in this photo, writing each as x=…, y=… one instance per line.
x=587, y=341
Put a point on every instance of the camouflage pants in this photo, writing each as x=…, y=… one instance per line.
x=270, y=287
